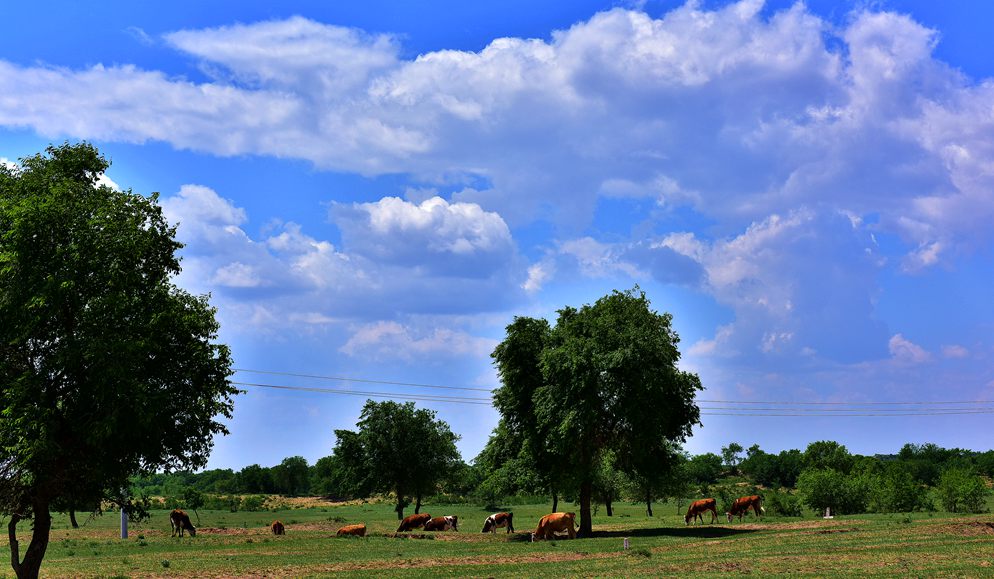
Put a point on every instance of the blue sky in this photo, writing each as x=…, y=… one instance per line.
x=373, y=190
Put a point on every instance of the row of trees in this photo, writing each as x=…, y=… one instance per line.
x=823, y=475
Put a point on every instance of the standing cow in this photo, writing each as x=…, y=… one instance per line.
x=413, y=522
x=554, y=523
x=278, y=528
x=742, y=505
x=180, y=521
x=443, y=524
x=702, y=506
x=499, y=520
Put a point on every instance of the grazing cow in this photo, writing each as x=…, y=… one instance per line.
x=554, y=523
x=180, y=521
x=413, y=522
x=353, y=530
x=743, y=504
x=278, y=528
x=443, y=524
x=498, y=520
x=701, y=506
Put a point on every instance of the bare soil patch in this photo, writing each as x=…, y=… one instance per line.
x=970, y=529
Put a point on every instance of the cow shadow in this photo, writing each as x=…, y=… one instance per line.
x=679, y=532
x=685, y=532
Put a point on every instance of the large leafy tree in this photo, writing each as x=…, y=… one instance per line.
x=399, y=449
x=107, y=369
x=608, y=381
x=520, y=433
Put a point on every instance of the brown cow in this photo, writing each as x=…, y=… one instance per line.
x=443, y=524
x=278, y=528
x=554, y=523
x=413, y=522
x=353, y=530
x=743, y=504
x=180, y=521
x=701, y=506
x=498, y=520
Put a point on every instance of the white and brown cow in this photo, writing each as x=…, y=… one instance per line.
x=443, y=524
x=742, y=505
x=499, y=520
x=180, y=521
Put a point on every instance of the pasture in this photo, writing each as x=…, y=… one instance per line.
x=242, y=545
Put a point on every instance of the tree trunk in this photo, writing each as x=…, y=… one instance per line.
x=607, y=505
x=586, y=524
x=648, y=504
x=31, y=565
x=72, y=518
x=400, y=507
x=555, y=502
x=417, y=505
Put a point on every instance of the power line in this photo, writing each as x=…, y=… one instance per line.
x=418, y=397
x=363, y=380
x=706, y=411
x=700, y=400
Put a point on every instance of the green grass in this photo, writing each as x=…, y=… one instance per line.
x=239, y=544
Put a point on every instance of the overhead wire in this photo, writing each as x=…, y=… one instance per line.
x=852, y=409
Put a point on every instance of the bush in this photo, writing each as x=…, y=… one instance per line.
x=961, y=491
x=827, y=488
x=783, y=503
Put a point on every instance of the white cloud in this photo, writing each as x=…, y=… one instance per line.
x=392, y=340
x=397, y=258
x=954, y=351
x=906, y=351
x=796, y=112
x=455, y=238
x=538, y=274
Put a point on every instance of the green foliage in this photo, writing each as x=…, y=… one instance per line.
x=961, y=491
x=608, y=381
x=108, y=368
x=392, y=439
x=730, y=454
x=704, y=469
x=782, y=502
x=828, y=488
x=292, y=476
x=828, y=454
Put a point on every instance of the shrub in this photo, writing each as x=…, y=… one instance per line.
x=961, y=491
x=827, y=488
x=783, y=503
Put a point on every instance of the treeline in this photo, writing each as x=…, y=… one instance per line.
x=824, y=475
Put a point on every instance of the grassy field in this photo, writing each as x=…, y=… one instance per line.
x=240, y=545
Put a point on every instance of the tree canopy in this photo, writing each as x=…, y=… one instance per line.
x=398, y=449
x=604, y=379
x=107, y=369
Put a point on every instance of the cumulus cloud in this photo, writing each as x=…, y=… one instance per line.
x=954, y=351
x=456, y=238
x=391, y=340
x=622, y=105
x=907, y=352
x=396, y=258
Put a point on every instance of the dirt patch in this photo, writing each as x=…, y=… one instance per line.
x=799, y=525
x=725, y=567
x=971, y=529
x=829, y=531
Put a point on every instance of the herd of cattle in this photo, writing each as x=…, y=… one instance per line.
x=548, y=526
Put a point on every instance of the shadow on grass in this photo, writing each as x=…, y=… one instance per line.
x=687, y=532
